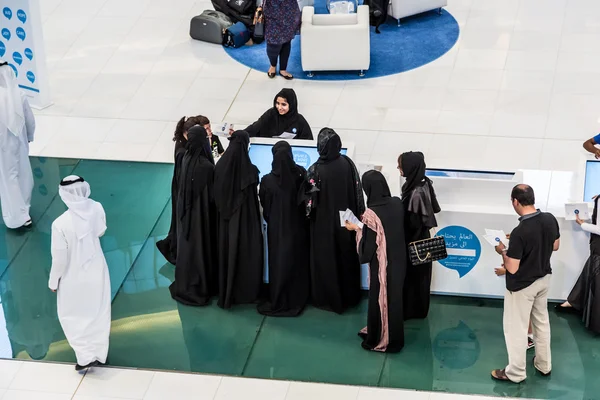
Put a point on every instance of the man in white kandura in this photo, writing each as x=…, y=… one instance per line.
x=80, y=274
x=17, y=127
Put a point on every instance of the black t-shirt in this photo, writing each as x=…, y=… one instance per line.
x=532, y=242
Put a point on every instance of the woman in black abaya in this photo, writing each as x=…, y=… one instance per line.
x=282, y=198
x=334, y=265
x=168, y=246
x=282, y=118
x=584, y=298
x=420, y=206
x=380, y=244
x=196, y=272
x=240, y=231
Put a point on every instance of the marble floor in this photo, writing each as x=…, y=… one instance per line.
x=452, y=351
x=50, y=381
x=520, y=89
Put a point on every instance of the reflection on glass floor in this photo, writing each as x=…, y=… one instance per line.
x=453, y=350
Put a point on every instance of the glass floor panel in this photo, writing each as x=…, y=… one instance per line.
x=453, y=350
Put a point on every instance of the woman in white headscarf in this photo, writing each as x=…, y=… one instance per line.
x=17, y=127
x=79, y=273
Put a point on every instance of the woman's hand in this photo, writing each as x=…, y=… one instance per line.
x=231, y=130
x=578, y=220
x=500, y=270
x=352, y=227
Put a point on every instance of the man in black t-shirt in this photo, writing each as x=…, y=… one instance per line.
x=527, y=263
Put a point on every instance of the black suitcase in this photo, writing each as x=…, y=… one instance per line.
x=209, y=26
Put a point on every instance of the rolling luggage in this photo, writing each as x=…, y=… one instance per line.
x=210, y=26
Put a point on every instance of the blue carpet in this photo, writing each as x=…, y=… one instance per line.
x=420, y=40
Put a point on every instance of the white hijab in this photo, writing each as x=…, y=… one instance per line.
x=12, y=118
x=85, y=214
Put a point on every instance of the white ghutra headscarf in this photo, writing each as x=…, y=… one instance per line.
x=12, y=118
x=88, y=220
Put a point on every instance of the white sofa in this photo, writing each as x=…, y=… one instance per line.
x=334, y=42
x=305, y=3
x=406, y=8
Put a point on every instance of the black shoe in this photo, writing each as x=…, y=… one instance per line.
x=28, y=224
x=79, y=367
x=271, y=74
x=287, y=77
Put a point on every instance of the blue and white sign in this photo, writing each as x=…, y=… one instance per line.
x=22, y=46
x=464, y=249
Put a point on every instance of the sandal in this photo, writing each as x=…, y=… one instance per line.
x=543, y=374
x=500, y=375
x=287, y=77
x=271, y=75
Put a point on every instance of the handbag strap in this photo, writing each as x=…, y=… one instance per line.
x=417, y=253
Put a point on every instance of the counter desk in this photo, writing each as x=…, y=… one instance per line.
x=472, y=201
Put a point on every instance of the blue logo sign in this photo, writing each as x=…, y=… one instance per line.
x=6, y=34
x=21, y=33
x=301, y=158
x=7, y=12
x=30, y=76
x=464, y=249
x=18, y=58
x=21, y=16
x=2, y=48
x=14, y=69
x=28, y=53
x=576, y=212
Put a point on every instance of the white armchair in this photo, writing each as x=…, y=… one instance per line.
x=406, y=8
x=305, y=3
x=335, y=42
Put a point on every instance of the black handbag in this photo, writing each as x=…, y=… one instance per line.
x=258, y=35
x=427, y=250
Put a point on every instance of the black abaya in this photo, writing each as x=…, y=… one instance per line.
x=384, y=217
x=420, y=207
x=168, y=246
x=287, y=235
x=334, y=264
x=240, y=229
x=273, y=124
x=195, y=275
x=585, y=295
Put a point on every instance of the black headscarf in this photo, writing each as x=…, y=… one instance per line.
x=376, y=188
x=234, y=174
x=329, y=146
x=283, y=166
x=196, y=171
x=414, y=168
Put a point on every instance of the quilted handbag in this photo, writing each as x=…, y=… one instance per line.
x=427, y=250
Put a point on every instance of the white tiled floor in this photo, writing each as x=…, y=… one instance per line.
x=21, y=380
x=521, y=84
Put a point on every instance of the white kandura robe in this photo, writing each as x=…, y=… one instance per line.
x=16, y=178
x=84, y=295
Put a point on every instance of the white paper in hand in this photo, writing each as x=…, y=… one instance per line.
x=287, y=135
x=577, y=209
x=349, y=216
x=496, y=237
x=223, y=129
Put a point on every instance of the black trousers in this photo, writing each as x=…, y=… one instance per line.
x=281, y=51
